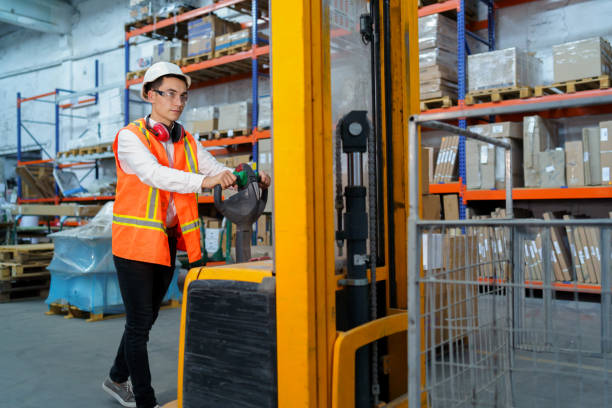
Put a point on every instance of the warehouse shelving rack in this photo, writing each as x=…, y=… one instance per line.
x=559, y=106
x=58, y=95
x=217, y=70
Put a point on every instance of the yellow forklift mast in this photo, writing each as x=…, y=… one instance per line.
x=310, y=328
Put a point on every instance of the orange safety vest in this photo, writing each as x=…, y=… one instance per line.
x=139, y=212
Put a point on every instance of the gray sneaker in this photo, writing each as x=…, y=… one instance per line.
x=121, y=392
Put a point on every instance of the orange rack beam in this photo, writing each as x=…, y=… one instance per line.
x=206, y=199
x=546, y=98
x=540, y=193
x=237, y=140
x=439, y=8
x=181, y=17
x=446, y=188
x=92, y=198
x=254, y=52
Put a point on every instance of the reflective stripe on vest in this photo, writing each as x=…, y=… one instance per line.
x=190, y=226
x=138, y=222
x=190, y=156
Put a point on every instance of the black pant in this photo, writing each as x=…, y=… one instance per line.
x=143, y=286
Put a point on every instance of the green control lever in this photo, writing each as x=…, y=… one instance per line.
x=242, y=176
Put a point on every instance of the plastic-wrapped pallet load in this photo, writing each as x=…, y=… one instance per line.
x=235, y=116
x=82, y=270
x=587, y=58
x=437, y=31
x=202, y=121
x=501, y=69
x=437, y=56
x=201, y=33
x=264, y=118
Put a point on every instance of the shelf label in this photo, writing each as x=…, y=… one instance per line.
x=497, y=129
x=605, y=174
x=484, y=154
x=230, y=133
x=586, y=157
x=603, y=132
x=550, y=169
x=557, y=249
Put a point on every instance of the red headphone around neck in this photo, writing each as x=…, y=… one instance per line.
x=161, y=132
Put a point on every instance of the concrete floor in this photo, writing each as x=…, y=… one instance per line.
x=49, y=361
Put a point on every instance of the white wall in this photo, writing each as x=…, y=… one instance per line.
x=67, y=61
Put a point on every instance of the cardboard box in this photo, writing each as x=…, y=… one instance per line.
x=582, y=59
x=437, y=72
x=480, y=165
x=202, y=31
x=574, y=163
x=231, y=40
x=203, y=119
x=605, y=145
x=439, y=57
x=499, y=69
x=427, y=154
x=516, y=158
x=437, y=88
x=538, y=135
x=431, y=207
x=437, y=31
x=162, y=51
x=446, y=161
x=512, y=130
x=200, y=45
x=451, y=206
x=178, y=50
x=592, y=155
x=552, y=168
x=233, y=116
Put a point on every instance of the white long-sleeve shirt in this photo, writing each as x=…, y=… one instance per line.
x=136, y=158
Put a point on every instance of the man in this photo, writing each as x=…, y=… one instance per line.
x=160, y=170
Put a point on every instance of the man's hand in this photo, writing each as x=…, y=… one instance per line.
x=225, y=178
x=265, y=180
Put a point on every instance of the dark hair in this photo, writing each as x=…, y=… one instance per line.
x=157, y=83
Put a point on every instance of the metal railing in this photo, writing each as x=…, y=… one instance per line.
x=497, y=315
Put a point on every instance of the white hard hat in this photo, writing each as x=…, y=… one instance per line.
x=160, y=69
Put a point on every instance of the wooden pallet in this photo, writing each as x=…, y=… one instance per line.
x=24, y=254
x=10, y=270
x=208, y=135
x=444, y=102
x=585, y=84
x=234, y=49
x=195, y=59
x=135, y=74
x=498, y=94
x=220, y=134
x=24, y=288
x=139, y=23
x=71, y=312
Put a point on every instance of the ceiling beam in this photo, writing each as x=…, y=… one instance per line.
x=49, y=16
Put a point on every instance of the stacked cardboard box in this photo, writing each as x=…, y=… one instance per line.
x=582, y=59
x=169, y=50
x=230, y=40
x=584, y=244
x=539, y=139
x=605, y=145
x=450, y=258
x=486, y=164
x=501, y=69
x=233, y=116
x=202, y=31
x=202, y=121
x=438, y=56
x=446, y=161
x=493, y=248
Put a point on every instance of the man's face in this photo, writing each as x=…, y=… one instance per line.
x=169, y=102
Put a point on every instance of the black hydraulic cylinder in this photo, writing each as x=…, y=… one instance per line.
x=243, y=243
x=356, y=232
